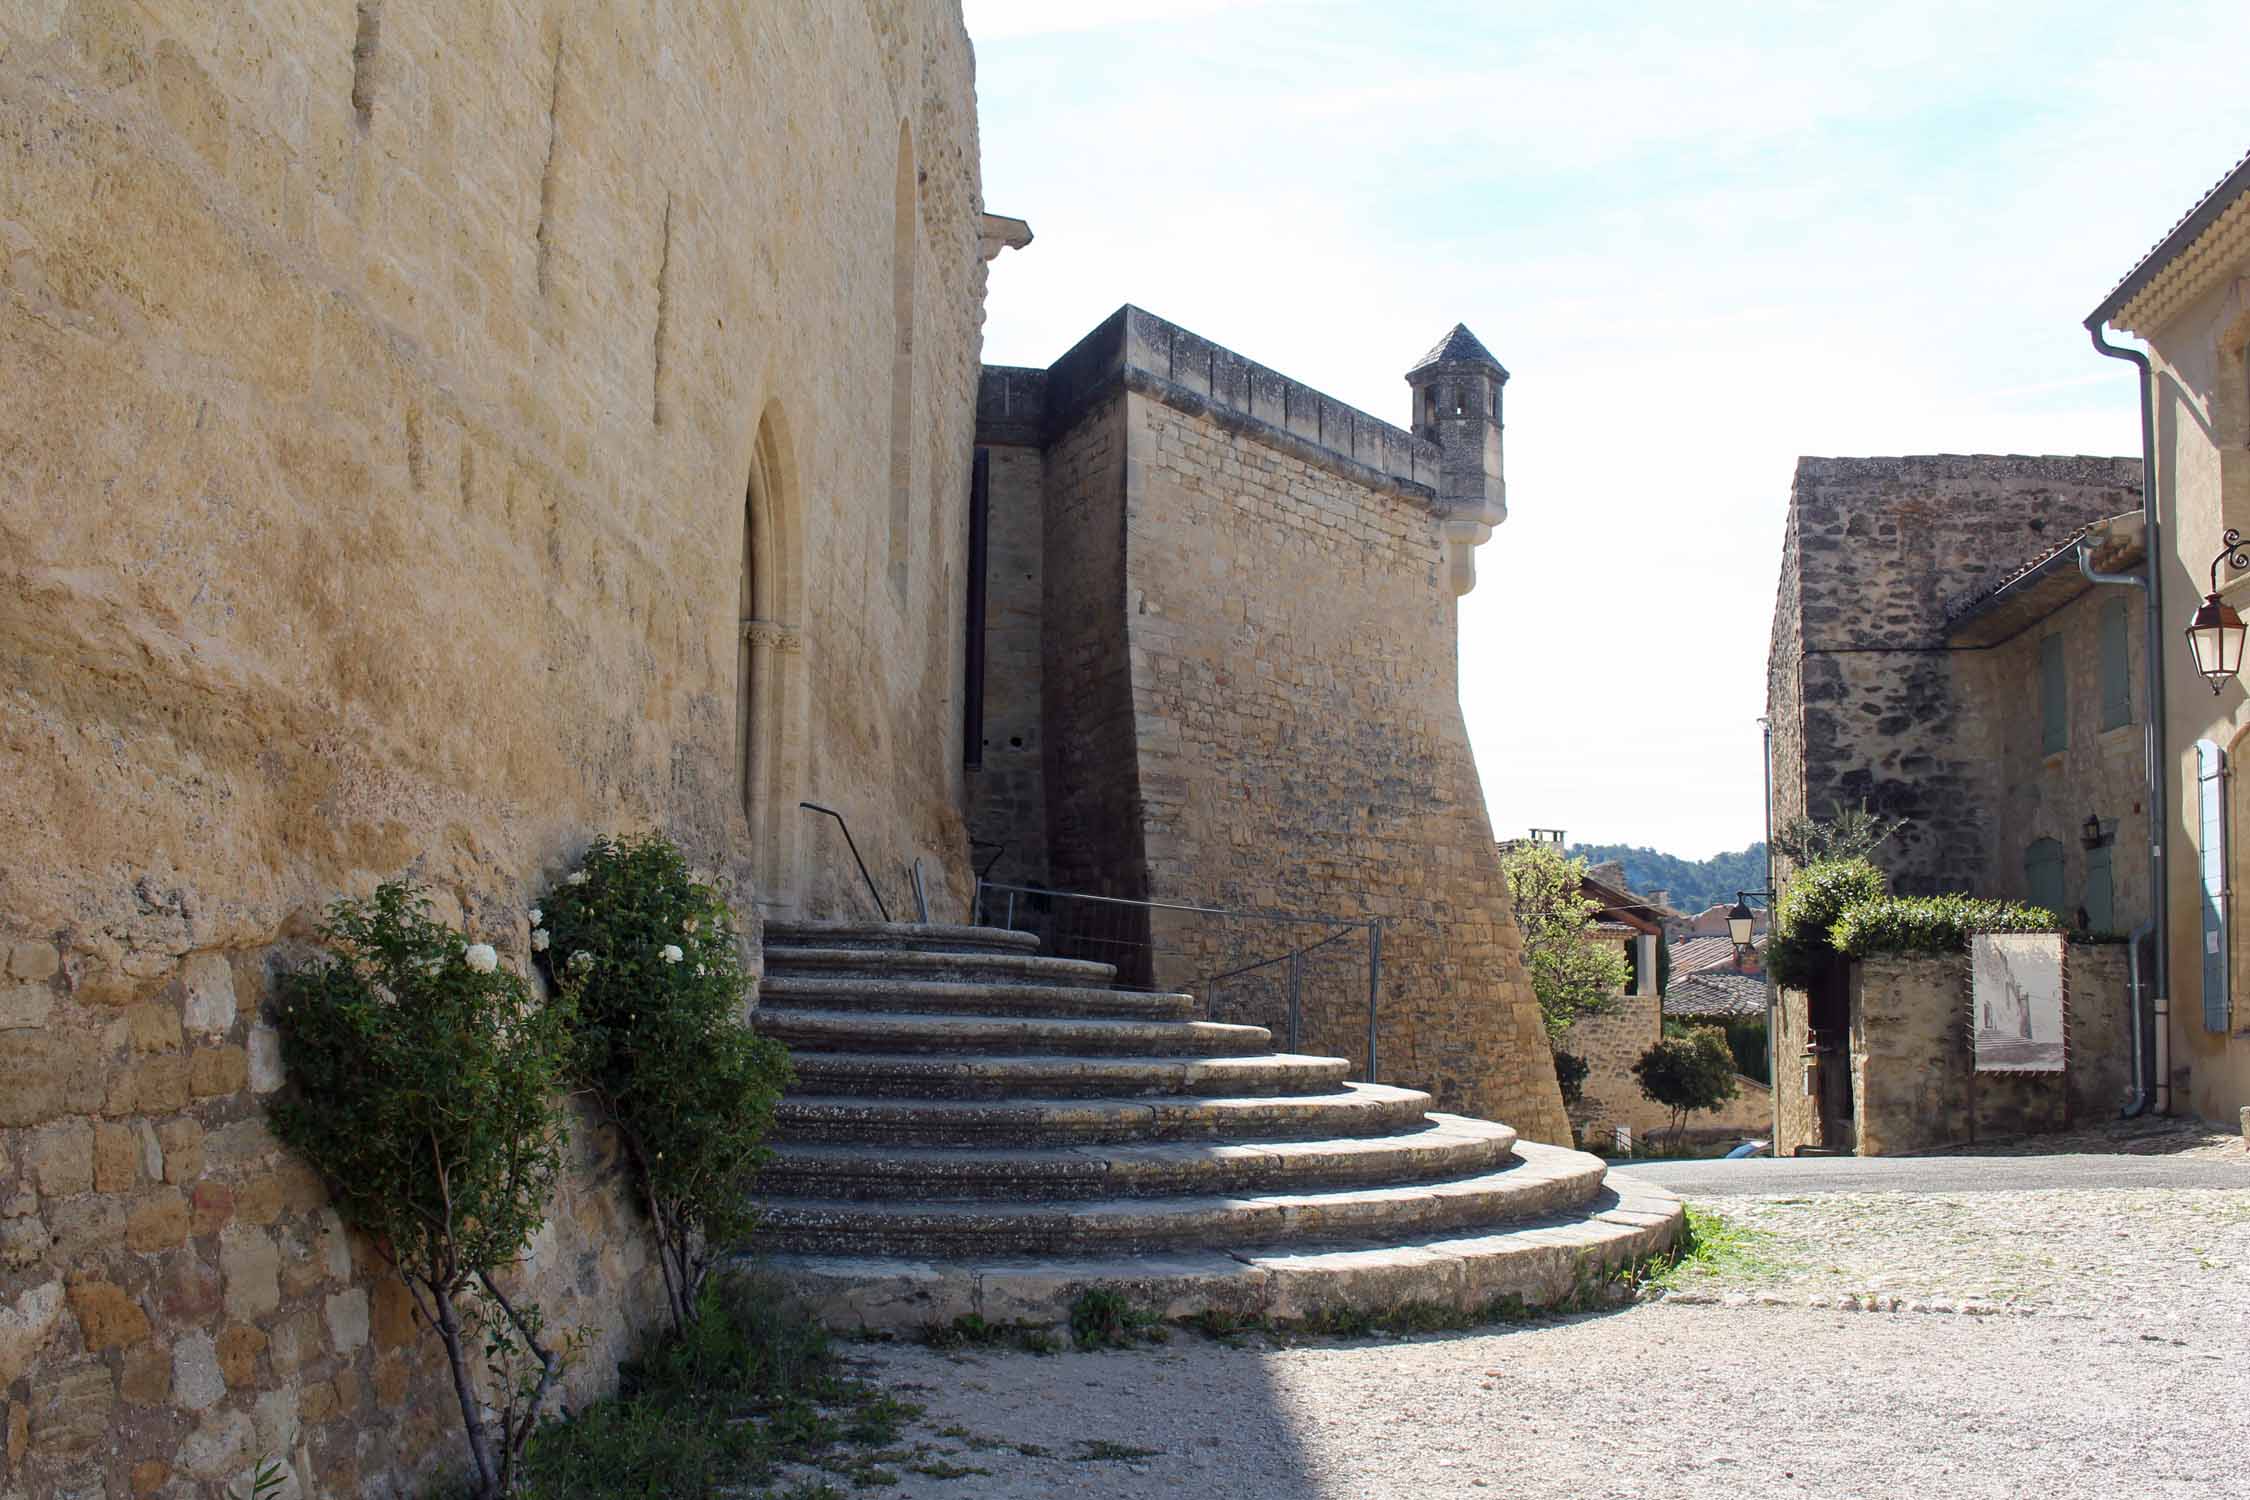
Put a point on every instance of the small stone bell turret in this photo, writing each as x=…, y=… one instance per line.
x=1457, y=388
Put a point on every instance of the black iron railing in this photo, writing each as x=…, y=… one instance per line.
x=1292, y=973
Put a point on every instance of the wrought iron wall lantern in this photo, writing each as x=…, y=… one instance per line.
x=2216, y=634
x=1742, y=923
x=2094, y=833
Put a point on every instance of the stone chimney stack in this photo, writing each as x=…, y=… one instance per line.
x=1457, y=406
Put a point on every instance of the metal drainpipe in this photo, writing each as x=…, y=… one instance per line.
x=2152, y=533
x=2140, y=933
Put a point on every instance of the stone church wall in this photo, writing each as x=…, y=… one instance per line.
x=380, y=389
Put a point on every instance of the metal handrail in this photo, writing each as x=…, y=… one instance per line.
x=1344, y=928
x=853, y=845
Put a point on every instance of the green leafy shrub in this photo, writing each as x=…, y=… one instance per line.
x=1800, y=949
x=1570, y=1077
x=1931, y=924
x=650, y=959
x=1572, y=974
x=1689, y=1073
x=428, y=1097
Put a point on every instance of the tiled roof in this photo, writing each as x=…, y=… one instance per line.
x=1715, y=994
x=2179, y=237
x=1689, y=955
x=1458, y=347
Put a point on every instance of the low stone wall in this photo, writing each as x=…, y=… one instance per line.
x=178, y=1300
x=1914, y=1082
x=1611, y=1042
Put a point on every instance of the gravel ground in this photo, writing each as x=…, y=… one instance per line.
x=2110, y=1363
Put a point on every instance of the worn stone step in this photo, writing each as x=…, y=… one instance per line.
x=1545, y=1181
x=984, y=968
x=1535, y=1263
x=885, y=1076
x=1359, y=1109
x=1445, y=1146
x=933, y=937
x=966, y=997
x=1098, y=1036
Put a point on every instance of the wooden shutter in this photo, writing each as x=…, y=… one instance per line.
x=2043, y=876
x=2211, y=868
x=2054, y=712
x=2117, y=691
x=2101, y=892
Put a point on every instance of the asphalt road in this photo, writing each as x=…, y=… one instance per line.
x=1936, y=1174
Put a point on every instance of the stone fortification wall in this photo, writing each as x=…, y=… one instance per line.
x=380, y=392
x=1862, y=689
x=1301, y=747
x=1008, y=792
x=1914, y=1084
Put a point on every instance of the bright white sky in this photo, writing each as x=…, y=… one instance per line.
x=1703, y=241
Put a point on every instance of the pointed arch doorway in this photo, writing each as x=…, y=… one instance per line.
x=770, y=714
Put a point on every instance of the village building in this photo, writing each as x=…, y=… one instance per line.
x=2188, y=300
x=1950, y=648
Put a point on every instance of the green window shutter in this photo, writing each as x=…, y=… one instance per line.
x=2101, y=892
x=2117, y=692
x=2054, y=713
x=2043, y=876
x=2211, y=871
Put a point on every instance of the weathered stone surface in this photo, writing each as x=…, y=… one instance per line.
x=155, y=1027
x=25, y=1005
x=238, y=1350
x=25, y=1326
x=150, y=1475
x=160, y=1085
x=157, y=1221
x=209, y=981
x=77, y=1227
x=266, y=1071
x=33, y=960
x=144, y=1378
x=45, y=1073
x=70, y=1410
x=394, y=1320
x=188, y=1290
x=220, y=1448
x=182, y=1141
x=257, y=1200
x=347, y=1320
x=252, y=1267
x=217, y=1070
x=108, y=1316
x=198, y=1382
x=294, y=1341
x=117, y=1158
x=61, y=1158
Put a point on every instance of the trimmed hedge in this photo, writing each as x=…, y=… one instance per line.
x=1931, y=924
x=1800, y=948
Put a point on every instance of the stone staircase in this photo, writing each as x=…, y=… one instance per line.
x=977, y=1128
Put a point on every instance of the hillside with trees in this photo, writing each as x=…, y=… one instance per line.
x=1690, y=884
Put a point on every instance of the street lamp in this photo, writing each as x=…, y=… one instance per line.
x=2216, y=634
x=1742, y=923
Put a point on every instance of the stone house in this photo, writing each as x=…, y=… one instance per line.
x=1942, y=653
x=1219, y=634
x=2186, y=301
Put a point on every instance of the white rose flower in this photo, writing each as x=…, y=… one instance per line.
x=699, y=971
x=577, y=877
x=482, y=957
x=687, y=924
x=671, y=953
x=540, y=939
x=581, y=959
x=537, y=917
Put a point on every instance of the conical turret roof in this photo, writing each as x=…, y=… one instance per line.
x=1458, y=347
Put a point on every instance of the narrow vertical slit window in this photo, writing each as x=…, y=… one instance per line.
x=904, y=213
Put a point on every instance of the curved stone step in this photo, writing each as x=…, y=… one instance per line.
x=1536, y=1263
x=1539, y=1181
x=930, y=936
x=983, y=968
x=940, y=996
x=1446, y=1146
x=877, y=1031
x=1359, y=1109
x=881, y=1076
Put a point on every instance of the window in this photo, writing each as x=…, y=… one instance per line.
x=2054, y=708
x=2043, y=876
x=2117, y=692
x=2211, y=872
x=2101, y=892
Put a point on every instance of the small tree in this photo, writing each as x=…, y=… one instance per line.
x=1572, y=973
x=650, y=958
x=1852, y=833
x=426, y=1096
x=1689, y=1073
x=1570, y=1077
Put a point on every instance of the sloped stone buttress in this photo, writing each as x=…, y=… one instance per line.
x=979, y=1129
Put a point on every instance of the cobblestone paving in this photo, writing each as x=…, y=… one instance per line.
x=2098, y=1355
